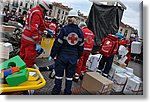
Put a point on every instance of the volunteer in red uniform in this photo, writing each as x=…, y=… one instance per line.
x=88, y=45
x=33, y=31
x=53, y=26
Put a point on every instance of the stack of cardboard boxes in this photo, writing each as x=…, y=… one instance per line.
x=120, y=78
x=125, y=81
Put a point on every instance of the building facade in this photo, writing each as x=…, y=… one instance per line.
x=127, y=30
x=59, y=11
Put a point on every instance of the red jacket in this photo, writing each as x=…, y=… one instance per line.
x=88, y=39
x=34, y=26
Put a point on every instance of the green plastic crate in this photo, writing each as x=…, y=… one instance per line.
x=15, y=61
x=18, y=77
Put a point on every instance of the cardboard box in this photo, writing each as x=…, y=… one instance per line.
x=88, y=63
x=8, y=28
x=94, y=83
x=8, y=45
x=115, y=69
x=122, y=50
x=130, y=70
x=118, y=88
x=4, y=52
x=94, y=62
x=136, y=47
x=119, y=80
x=119, y=63
x=132, y=87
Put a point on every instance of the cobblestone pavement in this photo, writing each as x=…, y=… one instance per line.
x=76, y=87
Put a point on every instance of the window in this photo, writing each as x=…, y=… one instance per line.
x=126, y=31
x=19, y=10
x=26, y=5
x=21, y=3
x=66, y=13
x=121, y=30
x=59, y=11
x=30, y=6
x=57, y=16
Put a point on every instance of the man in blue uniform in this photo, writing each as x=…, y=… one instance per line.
x=67, y=49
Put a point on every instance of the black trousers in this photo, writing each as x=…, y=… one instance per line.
x=105, y=64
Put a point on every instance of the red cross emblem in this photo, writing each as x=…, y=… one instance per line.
x=72, y=38
x=89, y=40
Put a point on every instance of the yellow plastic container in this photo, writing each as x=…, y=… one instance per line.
x=47, y=44
x=34, y=82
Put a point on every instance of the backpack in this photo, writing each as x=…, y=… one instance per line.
x=109, y=46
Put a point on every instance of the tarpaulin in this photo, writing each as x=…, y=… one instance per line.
x=103, y=20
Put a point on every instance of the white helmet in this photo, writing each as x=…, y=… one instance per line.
x=132, y=36
x=46, y=4
x=73, y=13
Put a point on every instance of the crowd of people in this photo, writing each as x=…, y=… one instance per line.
x=72, y=47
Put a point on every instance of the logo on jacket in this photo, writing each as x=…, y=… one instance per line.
x=72, y=38
x=89, y=39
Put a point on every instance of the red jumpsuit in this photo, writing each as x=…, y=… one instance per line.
x=34, y=27
x=53, y=26
x=88, y=45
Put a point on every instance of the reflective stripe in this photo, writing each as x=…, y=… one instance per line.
x=26, y=27
x=87, y=49
x=69, y=79
x=65, y=38
x=47, y=67
x=81, y=44
x=58, y=77
x=76, y=77
x=30, y=17
x=60, y=41
x=34, y=37
x=28, y=38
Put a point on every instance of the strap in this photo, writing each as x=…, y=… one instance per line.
x=31, y=17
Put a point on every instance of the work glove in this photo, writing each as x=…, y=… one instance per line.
x=52, y=74
x=50, y=58
x=38, y=47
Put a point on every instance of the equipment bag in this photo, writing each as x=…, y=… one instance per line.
x=109, y=46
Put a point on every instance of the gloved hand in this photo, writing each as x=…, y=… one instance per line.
x=50, y=58
x=38, y=47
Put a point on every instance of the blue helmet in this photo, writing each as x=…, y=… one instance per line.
x=120, y=36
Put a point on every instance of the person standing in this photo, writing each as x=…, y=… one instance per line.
x=67, y=48
x=33, y=31
x=88, y=46
x=106, y=61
